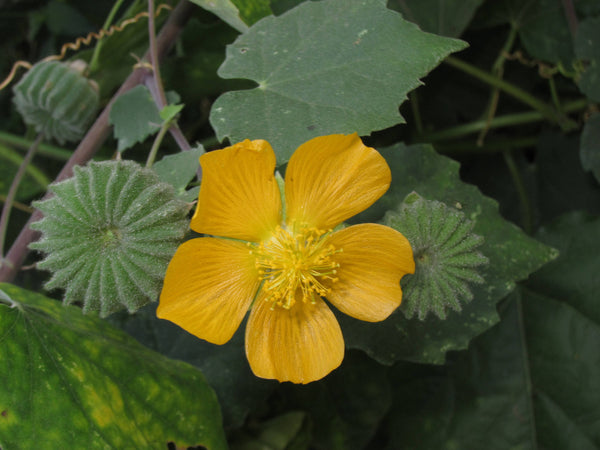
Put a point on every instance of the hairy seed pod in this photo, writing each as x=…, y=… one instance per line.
x=445, y=252
x=109, y=233
x=57, y=100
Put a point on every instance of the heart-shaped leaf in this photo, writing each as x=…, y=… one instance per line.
x=335, y=66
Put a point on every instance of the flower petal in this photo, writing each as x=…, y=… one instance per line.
x=209, y=286
x=239, y=197
x=332, y=178
x=300, y=345
x=373, y=260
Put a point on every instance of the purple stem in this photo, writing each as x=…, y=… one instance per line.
x=96, y=135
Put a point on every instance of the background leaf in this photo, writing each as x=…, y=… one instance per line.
x=135, y=117
x=65, y=377
x=224, y=366
x=589, y=151
x=533, y=379
x=445, y=17
x=512, y=256
x=587, y=48
x=239, y=14
x=179, y=169
x=321, y=68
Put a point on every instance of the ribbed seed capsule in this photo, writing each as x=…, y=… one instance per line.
x=445, y=252
x=57, y=100
x=109, y=233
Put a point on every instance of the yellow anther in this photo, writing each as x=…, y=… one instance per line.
x=294, y=263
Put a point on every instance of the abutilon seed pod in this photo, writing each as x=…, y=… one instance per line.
x=57, y=99
x=446, y=256
x=109, y=233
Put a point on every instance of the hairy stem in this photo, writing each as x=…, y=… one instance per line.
x=97, y=134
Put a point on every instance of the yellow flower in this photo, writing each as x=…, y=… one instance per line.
x=283, y=267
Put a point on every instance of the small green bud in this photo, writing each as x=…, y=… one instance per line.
x=445, y=252
x=57, y=99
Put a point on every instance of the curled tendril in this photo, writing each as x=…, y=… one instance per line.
x=83, y=40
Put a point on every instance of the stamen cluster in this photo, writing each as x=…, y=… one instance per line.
x=296, y=264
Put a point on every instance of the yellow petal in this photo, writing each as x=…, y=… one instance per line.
x=331, y=178
x=209, y=286
x=300, y=345
x=373, y=260
x=239, y=197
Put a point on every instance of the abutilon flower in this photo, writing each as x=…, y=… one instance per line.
x=283, y=266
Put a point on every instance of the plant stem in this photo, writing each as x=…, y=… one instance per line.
x=111, y=15
x=18, y=205
x=523, y=96
x=458, y=148
x=498, y=122
x=498, y=70
x=416, y=112
x=153, y=53
x=12, y=192
x=36, y=174
x=526, y=213
x=571, y=16
x=43, y=149
x=156, y=144
x=97, y=134
x=155, y=83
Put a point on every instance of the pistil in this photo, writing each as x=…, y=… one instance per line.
x=296, y=264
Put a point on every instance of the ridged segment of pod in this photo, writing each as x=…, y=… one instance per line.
x=108, y=234
x=446, y=256
x=57, y=100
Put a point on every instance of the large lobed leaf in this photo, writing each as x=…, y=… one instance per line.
x=512, y=256
x=69, y=379
x=532, y=381
x=335, y=66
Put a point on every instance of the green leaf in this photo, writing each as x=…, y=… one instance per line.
x=347, y=406
x=447, y=17
x=587, y=48
x=169, y=112
x=179, y=169
x=135, y=117
x=562, y=184
x=225, y=367
x=65, y=377
x=335, y=66
x=529, y=382
x=239, y=14
x=512, y=256
x=589, y=151
x=543, y=28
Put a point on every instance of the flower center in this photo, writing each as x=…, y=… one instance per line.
x=296, y=264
